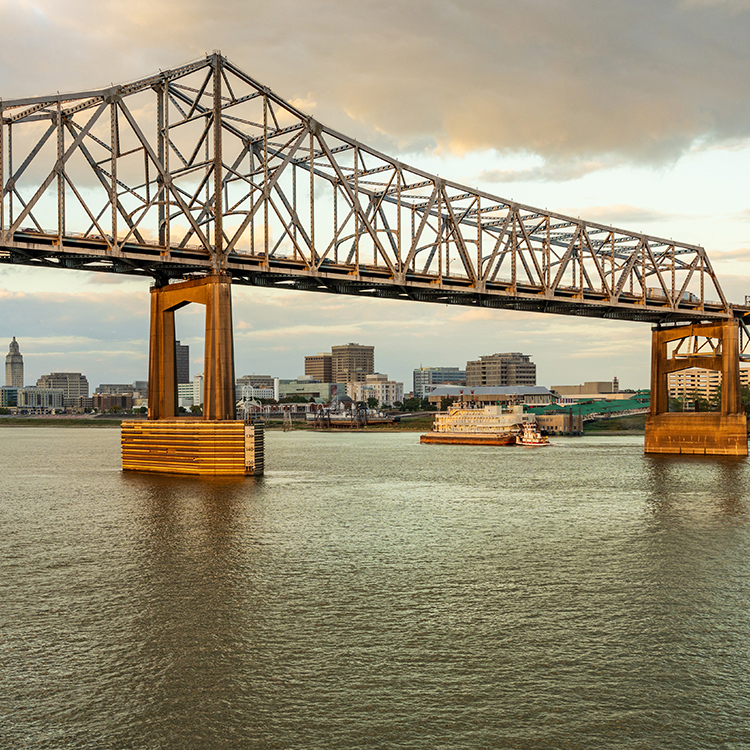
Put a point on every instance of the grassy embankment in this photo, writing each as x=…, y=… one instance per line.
x=58, y=422
x=635, y=424
x=415, y=424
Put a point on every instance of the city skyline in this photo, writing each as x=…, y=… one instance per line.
x=127, y=375
x=652, y=136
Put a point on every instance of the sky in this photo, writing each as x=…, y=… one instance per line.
x=635, y=114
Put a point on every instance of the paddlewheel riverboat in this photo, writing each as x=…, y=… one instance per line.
x=491, y=425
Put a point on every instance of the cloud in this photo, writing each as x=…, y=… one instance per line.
x=570, y=81
x=551, y=171
x=620, y=213
x=741, y=254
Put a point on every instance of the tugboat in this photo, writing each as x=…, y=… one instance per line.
x=530, y=436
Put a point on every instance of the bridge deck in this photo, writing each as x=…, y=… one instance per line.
x=151, y=260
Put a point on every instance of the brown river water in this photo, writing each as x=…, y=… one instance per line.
x=372, y=592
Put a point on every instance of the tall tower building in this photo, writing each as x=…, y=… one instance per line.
x=352, y=363
x=14, y=366
x=182, y=353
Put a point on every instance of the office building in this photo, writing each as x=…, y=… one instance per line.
x=427, y=378
x=510, y=368
x=198, y=389
x=185, y=395
x=320, y=367
x=14, y=366
x=352, y=363
x=182, y=360
x=74, y=385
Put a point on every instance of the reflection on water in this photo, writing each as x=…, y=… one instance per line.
x=373, y=592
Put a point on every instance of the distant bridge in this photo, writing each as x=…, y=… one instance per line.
x=203, y=175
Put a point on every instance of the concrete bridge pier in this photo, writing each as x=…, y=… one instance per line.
x=714, y=346
x=216, y=443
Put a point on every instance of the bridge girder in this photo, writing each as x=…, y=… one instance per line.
x=202, y=170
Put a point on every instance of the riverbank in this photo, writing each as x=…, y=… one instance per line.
x=9, y=421
x=415, y=424
x=632, y=425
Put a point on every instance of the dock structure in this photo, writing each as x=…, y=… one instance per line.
x=216, y=443
x=714, y=346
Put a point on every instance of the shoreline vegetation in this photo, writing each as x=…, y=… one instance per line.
x=634, y=425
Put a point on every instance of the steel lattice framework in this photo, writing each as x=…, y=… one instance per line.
x=201, y=169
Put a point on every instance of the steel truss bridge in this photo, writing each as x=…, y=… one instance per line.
x=202, y=170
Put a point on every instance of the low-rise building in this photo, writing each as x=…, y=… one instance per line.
x=185, y=395
x=8, y=396
x=257, y=381
x=531, y=395
x=308, y=388
x=39, y=400
x=104, y=402
x=377, y=386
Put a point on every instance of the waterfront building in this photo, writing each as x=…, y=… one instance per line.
x=589, y=388
x=426, y=378
x=308, y=389
x=104, y=402
x=352, y=363
x=182, y=362
x=74, y=385
x=14, y=366
x=8, y=396
x=40, y=399
x=386, y=392
x=509, y=368
x=530, y=395
x=320, y=367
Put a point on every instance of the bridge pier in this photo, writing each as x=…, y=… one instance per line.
x=710, y=433
x=215, y=443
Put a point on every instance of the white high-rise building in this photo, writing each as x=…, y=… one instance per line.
x=14, y=366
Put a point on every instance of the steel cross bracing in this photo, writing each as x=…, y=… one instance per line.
x=202, y=169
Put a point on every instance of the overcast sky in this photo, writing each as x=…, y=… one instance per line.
x=634, y=113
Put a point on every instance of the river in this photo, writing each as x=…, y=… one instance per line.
x=372, y=592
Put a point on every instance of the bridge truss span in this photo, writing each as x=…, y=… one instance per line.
x=201, y=170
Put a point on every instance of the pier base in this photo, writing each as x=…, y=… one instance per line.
x=704, y=433
x=711, y=346
x=193, y=447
